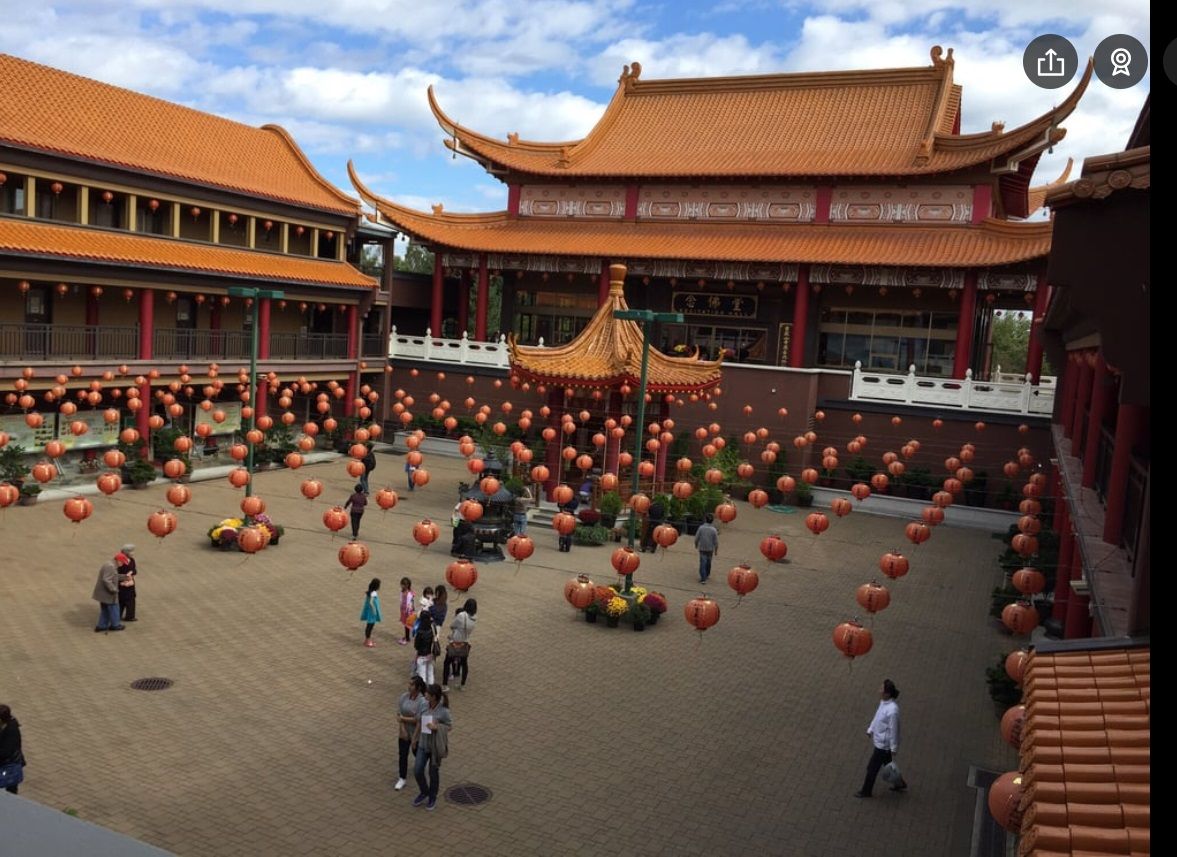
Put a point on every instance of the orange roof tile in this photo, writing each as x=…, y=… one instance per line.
x=994, y=242
x=55, y=111
x=32, y=239
x=1037, y=194
x=880, y=122
x=1085, y=753
x=608, y=353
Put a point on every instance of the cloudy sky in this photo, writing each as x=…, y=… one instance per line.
x=348, y=77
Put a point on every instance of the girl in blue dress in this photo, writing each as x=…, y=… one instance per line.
x=371, y=612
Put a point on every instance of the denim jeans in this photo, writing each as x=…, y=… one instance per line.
x=108, y=616
x=520, y=521
x=424, y=757
x=364, y=481
x=704, y=564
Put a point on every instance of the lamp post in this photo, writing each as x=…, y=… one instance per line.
x=256, y=295
x=648, y=317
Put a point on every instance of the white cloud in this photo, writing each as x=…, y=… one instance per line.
x=686, y=55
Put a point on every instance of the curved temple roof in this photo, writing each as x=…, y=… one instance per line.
x=876, y=122
x=608, y=353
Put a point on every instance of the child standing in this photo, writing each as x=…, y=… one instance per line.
x=426, y=601
x=406, y=610
x=371, y=612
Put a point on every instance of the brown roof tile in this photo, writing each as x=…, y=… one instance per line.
x=55, y=111
x=1085, y=754
x=32, y=239
x=608, y=353
x=879, y=122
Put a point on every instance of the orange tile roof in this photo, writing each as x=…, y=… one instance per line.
x=1037, y=195
x=28, y=238
x=1085, y=753
x=58, y=112
x=993, y=242
x=880, y=122
x=608, y=353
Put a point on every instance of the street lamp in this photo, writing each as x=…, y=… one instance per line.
x=256, y=295
x=649, y=317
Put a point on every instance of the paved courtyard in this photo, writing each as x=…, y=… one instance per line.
x=279, y=735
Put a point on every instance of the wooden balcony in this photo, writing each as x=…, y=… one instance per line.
x=72, y=342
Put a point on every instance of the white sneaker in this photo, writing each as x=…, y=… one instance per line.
x=445, y=688
x=400, y=784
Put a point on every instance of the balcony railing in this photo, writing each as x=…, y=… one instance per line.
x=185, y=344
x=308, y=346
x=462, y=351
x=967, y=394
x=82, y=342
x=374, y=345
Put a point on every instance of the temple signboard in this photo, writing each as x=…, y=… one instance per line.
x=720, y=306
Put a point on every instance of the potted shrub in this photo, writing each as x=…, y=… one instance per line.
x=29, y=492
x=676, y=514
x=639, y=615
x=591, y=613
x=609, y=507
x=140, y=473
x=615, y=608
x=12, y=464
x=1003, y=690
x=803, y=495
x=593, y=536
x=859, y=470
x=655, y=602
x=976, y=491
x=589, y=517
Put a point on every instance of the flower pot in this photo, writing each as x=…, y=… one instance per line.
x=608, y=521
x=653, y=618
x=591, y=618
x=639, y=626
x=611, y=621
x=27, y=500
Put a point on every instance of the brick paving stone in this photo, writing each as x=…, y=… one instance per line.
x=748, y=738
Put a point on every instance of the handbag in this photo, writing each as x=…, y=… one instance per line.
x=11, y=775
x=436, y=650
x=457, y=649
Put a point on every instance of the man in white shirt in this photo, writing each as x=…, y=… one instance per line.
x=884, y=734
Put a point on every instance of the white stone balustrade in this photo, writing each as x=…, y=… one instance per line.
x=462, y=351
x=1019, y=396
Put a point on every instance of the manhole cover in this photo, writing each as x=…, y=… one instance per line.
x=152, y=683
x=467, y=794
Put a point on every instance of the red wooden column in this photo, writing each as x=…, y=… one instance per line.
x=1082, y=397
x=800, y=317
x=463, y=303
x=91, y=309
x=603, y=284
x=1070, y=384
x=437, y=298
x=1101, y=399
x=482, y=305
x=146, y=339
x=1129, y=420
x=1034, y=349
x=263, y=329
x=1078, y=622
x=964, y=326
x=613, y=444
x=1066, y=541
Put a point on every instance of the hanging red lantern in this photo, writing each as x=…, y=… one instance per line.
x=726, y=512
x=1029, y=525
x=470, y=510
x=385, y=498
x=564, y=523
x=44, y=471
x=520, y=547
x=178, y=495
x=860, y=490
x=757, y=498
x=425, y=532
x=540, y=473
x=353, y=555
x=1024, y=545
x=174, y=468
x=252, y=506
x=640, y=503
x=817, y=523
x=873, y=597
x=701, y=613
x=420, y=477
x=665, y=535
x=1030, y=506
x=852, y=639
x=78, y=509
x=1028, y=581
x=1005, y=798
x=161, y=523
x=108, y=483
x=579, y=591
x=625, y=561
x=894, y=565
x=841, y=507
x=743, y=580
x=773, y=548
x=880, y=481
x=9, y=494
x=917, y=532
x=932, y=515
x=1012, y=723
x=461, y=574
x=1020, y=617
x=1015, y=665
x=311, y=488
x=335, y=518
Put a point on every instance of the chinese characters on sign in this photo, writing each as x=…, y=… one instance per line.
x=725, y=306
x=786, y=334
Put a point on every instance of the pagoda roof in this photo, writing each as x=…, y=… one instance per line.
x=876, y=122
x=1036, y=196
x=992, y=242
x=608, y=353
x=53, y=111
x=31, y=239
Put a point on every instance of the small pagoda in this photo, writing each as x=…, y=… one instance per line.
x=605, y=359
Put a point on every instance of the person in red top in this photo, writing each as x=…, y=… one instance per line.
x=127, y=569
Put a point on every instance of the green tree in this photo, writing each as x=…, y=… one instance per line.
x=417, y=260
x=372, y=260
x=1011, y=339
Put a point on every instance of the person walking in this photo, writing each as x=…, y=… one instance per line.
x=407, y=616
x=884, y=734
x=424, y=644
x=431, y=744
x=655, y=515
x=125, y=564
x=106, y=593
x=519, y=509
x=707, y=544
x=570, y=507
x=457, y=652
x=439, y=608
x=369, y=461
x=409, y=709
x=410, y=470
x=357, y=501
x=12, y=757
x=371, y=613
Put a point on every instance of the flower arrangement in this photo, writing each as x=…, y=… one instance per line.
x=223, y=535
x=616, y=607
x=656, y=601
x=641, y=606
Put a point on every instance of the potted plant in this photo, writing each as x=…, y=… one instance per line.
x=803, y=495
x=639, y=615
x=676, y=514
x=28, y=493
x=609, y=507
x=589, y=517
x=140, y=473
x=591, y=613
x=593, y=536
x=615, y=608
x=655, y=602
x=12, y=464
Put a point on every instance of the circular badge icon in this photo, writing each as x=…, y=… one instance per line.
x=1170, y=61
x=1050, y=61
x=1120, y=61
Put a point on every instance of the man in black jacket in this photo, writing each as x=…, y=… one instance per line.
x=369, y=461
x=655, y=515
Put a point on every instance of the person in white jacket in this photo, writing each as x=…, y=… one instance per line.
x=884, y=734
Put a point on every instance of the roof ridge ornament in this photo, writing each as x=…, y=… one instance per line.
x=438, y=207
x=939, y=59
x=997, y=128
x=630, y=74
x=512, y=138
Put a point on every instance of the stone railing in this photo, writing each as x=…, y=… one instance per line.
x=1017, y=397
x=462, y=351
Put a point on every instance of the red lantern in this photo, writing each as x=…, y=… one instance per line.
x=932, y=515
x=665, y=535
x=250, y=540
x=55, y=449
x=726, y=512
x=520, y=548
x=425, y=532
x=353, y=555
x=917, y=532
x=161, y=523
x=817, y=523
x=43, y=471
x=174, y=468
x=880, y=481
x=178, y=495
x=1029, y=525
x=470, y=510
x=1005, y=798
x=579, y=591
x=1015, y=665
x=461, y=574
x=1024, y=545
x=743, y=580
x=873, y=597
x=9, y=494
x=701, y=612
x=1011, y=725
x=108, y=483
x=625, y=561
x=564, y=523
x=758, y=498
x=420, y=477
x=773, y=548
x=114, y=458
x=841, y=507
x=561, y=494
x=640, y=503
x=852, y=639
x=386, y=498
x=786, y=484
x=78, y=509
x=860, y=490
x=539, y=473
x=1020, y=617
x=252, y=506
x=894, y=565
x=335, y=518
x=1028, y=581
x=682, y=490
x=311, y=488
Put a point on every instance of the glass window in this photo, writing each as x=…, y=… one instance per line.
x=887, y=319
x=857, y=348
x=12, y=195
x=944, y=321
x=866, y=319
x=913, y=351
x=941, y=353
x=829, y=348
x=919, y=320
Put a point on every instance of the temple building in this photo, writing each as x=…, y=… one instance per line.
x=803, y=220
